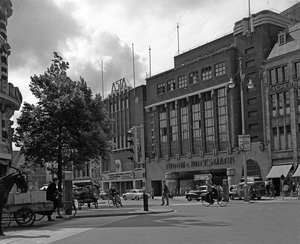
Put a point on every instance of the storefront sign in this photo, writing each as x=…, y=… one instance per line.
x=244, y=142
x=118, y=176
x=201, y=177
x=201, y=163
x=139, y=174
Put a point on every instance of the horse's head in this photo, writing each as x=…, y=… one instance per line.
x=21, y=181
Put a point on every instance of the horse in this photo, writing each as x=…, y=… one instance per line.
x=6, y=183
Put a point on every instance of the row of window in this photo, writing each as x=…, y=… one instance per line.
x=280, y=74
x=192, y=78
x=208, y=126
x=118, y=105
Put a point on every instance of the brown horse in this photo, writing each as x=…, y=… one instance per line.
x=6, y=183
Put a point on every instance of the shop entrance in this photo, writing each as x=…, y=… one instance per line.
x=157, y=187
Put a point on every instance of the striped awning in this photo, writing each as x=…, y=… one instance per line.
x=297, y=172
x=277, y=171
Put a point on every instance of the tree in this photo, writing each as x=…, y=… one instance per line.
x=67, y=125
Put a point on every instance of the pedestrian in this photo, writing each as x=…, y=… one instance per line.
x=272, y=190
x=165, y=194
x=267, y=186
x=175, y=191
x=51, y=195
x=298, y=190
x=152, y=193
x=181, y=191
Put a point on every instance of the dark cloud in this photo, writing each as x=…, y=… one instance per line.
x=118, y=64
x=36, y=29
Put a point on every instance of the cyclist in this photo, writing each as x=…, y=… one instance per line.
x=114, y=193
x=51, y=195
x=213, y=192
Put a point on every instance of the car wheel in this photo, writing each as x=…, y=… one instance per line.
x=189, y=199
x=137, y=198
x=125, y=198
x=258, y=198
x=198, y=200
x=231, y=197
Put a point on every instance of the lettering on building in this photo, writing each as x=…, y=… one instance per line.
x=119, y=86
x=284, y=86
x=200, y=163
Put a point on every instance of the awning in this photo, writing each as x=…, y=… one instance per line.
x=297, y=172
x=82, y=182
x=277, y=171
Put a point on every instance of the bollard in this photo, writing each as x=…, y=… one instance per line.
x=145, y=199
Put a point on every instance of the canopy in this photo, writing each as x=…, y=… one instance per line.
x=297, y=172
x=277, y=171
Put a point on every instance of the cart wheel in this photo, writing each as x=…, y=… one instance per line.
x=96, y=205
x=6, y=219
x=24, y=217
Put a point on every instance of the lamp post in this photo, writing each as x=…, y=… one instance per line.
x=250, y=86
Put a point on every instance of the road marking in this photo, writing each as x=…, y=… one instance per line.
x=39, y=236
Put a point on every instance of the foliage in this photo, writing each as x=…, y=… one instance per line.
x=67, y=125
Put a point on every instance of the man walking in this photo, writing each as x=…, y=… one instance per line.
x=51, y=195
x=165, y=194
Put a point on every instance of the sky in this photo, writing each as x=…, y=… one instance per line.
x=106, y=40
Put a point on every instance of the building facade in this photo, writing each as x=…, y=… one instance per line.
x=282, y=99
x=193, y=120
x=125, y=106
x=10, y=96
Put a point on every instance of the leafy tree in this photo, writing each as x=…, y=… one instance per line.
x=67, y=125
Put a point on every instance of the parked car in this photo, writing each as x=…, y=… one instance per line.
x=258, y=187
x=233, y=192
x=196, y=194
x=134, y=194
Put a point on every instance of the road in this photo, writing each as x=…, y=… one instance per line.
x=262, y=222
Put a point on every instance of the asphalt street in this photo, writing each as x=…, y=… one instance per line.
x=267, y=221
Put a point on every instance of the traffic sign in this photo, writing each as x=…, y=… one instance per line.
x=244, y=142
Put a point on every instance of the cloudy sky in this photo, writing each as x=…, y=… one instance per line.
x=86, y=32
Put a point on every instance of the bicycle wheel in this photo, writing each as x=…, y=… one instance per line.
x=6, y=219
x=66, y=210
x=222, y=199
x=111, y=203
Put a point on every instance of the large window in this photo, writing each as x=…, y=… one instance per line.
x=173, y=135
x=297, y=69
x=161, y=89
x=222, y=119
x=163, y=131
x=184, y=120
x=182, y=81
x=278, y=75
x=171, y=85
x=206, y=73
x=194, y=78
x=220, y=69
x=209, y=122
x=197, y=134
x=281, y=125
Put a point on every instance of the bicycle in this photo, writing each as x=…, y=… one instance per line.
x=65, y=209
x=112, y=202
x=221, y=198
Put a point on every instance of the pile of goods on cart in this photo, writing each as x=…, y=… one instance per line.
x=85, y=193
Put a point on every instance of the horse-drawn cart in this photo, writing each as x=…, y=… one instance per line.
x=85, y=193
x=36, y=207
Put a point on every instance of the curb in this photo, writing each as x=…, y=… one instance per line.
x=137, y=212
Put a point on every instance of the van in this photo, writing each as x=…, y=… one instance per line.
x=258, y=187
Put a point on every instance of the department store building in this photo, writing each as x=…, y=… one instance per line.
x=193, y=119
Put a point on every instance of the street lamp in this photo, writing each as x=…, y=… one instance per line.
x=250, y=85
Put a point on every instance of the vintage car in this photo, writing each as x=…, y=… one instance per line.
x=134, y=194
x=233, y=192
x=258, y=189
x=196, y=194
